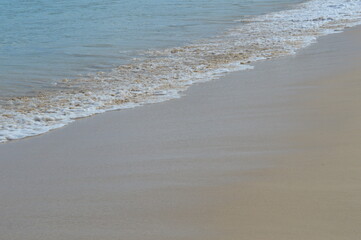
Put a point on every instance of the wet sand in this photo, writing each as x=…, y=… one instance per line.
x=271, y=153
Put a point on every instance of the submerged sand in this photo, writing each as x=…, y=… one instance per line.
x=272, y=153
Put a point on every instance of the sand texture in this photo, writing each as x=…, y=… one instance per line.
x=271, y=153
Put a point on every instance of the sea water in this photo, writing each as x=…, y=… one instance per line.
x=60, y=60
x=42, y=41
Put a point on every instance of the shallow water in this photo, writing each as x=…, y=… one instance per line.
x=44, y=41
x=151, y=61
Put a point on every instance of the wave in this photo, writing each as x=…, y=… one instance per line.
x=161, y=75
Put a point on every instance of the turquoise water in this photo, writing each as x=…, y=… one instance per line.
x=43, y=41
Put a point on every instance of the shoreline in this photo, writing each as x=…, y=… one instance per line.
x=270, y=153
x=163, y=74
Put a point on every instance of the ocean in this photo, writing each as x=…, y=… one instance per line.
x=62, y=60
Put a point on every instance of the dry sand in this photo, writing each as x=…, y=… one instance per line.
x=272, y=153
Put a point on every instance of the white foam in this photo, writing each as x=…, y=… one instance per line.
x=163, y=74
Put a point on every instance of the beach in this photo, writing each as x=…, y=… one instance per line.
x=268, y=153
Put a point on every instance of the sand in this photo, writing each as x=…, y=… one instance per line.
x=271, y=153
